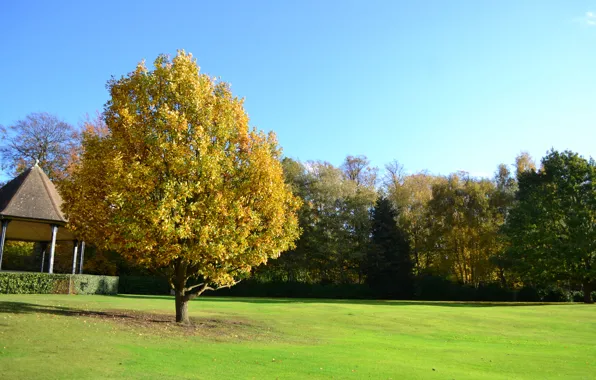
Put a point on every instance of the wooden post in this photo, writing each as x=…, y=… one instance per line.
x=82, y=257
x=44, y=248
x=74, y=256
x=53, y=248
x=2, y=239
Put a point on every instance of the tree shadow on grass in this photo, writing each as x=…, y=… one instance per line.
x=255, y=300
x=30, y=308
x=216, y=328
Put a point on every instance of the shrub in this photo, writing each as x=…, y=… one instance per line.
x=578, y=296
x=528, y=294
x=45, y=283
x=435, y=288
x=555, y=294
x=91, y=284
x=550, y=293
x=494, y=292
x=253, y=288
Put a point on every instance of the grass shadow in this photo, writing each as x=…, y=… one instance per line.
x=223, y=328
x=30, y=308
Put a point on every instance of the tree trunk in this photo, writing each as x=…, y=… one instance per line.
x=180, y=293
x=417, y=257
x=588, y=292
x=502, y=278
x=181, y=307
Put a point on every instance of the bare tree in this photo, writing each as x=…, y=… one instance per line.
x=357, y=169
x=394, y=175
x=40, y=137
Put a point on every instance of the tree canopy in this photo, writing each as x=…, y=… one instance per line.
x=389, y=265
x=552, y=227
x=178, y=182
x=41, y=137
x=334, y=219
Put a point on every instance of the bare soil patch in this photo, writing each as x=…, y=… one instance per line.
x=165, y=324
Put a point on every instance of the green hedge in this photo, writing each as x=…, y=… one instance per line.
x=250, y=288
x=253, y=288
x=91, y=284
x=45, y=283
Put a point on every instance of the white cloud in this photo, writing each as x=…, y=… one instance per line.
x=590, y=19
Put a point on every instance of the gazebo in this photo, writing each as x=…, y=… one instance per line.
x=30, y=211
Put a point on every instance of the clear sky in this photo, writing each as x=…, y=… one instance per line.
x=437, y=85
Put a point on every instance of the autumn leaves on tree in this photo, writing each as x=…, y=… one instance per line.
x=178, y=182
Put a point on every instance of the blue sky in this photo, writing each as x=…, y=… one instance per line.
x=436, y=85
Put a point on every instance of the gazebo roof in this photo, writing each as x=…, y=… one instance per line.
x=31, y=196
x=30, y=211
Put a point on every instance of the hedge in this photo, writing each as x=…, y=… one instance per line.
x=250, y=288
x=430, y=288
x=92, y=284
x=253, y=288
x=45, y=283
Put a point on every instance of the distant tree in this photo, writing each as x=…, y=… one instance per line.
x=551, y=229
x=363, y=179
x=502, y=200
x=358, y=169
x=464, y=228
x=410, y=195
x=335, y=223
x=524, y=163
x=42, y=137
x=178, y=182
x=505, y=189
x=296, y=265
x=325, y=240
x=389, y=269
x=394, y=175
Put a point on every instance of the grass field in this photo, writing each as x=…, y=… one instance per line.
x=76, y=337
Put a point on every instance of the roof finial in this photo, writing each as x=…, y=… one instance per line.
x=37, y=162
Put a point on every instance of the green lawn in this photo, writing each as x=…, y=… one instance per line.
x=56, y=336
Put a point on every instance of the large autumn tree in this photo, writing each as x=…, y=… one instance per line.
x=177, y=181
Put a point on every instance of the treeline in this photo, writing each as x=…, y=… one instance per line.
x=528, y=231
x=403, y=235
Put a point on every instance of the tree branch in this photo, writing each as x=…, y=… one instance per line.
x=190, y=288
x=204, y=287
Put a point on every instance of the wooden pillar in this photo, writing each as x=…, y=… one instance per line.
x=75, y=246
x=53, y=248
x=44, y=248
x=2, y=239
x=82, y=257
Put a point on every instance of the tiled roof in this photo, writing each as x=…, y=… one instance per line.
x=32, y=196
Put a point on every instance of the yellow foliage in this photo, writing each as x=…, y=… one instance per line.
x=178, y=180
